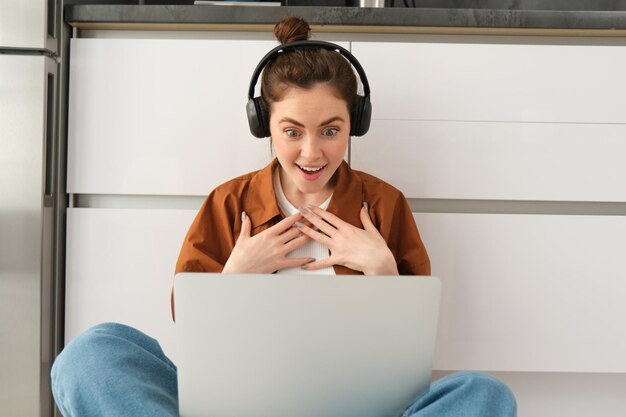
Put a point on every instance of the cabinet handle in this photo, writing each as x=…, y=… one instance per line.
x=52, y=18
x=49, y=143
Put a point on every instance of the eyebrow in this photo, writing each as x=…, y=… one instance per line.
x=297, y=123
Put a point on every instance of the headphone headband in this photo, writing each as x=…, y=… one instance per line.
x=308, y=44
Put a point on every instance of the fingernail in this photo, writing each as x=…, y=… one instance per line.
x=243, y=216
x=366, y=206
x=310, y=206
x=298, y=224
x=303, y=210
x=305, y=266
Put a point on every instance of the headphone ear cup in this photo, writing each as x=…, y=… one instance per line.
x=258, y=119
x=361, y=116
x=253, y=118
x=355, y=117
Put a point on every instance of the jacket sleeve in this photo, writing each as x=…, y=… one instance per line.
x=211, y=237
x=405, y=242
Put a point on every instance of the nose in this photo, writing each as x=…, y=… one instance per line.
x=311, y=149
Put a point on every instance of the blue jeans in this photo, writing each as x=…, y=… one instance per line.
x=114, y=370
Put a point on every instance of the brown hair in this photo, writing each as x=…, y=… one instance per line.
x=304, y=68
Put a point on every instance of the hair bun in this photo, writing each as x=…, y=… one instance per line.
x=292, y=29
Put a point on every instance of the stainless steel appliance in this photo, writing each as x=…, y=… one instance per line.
x=30, y=265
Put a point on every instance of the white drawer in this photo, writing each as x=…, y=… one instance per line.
x=495, y=82
x=161, y=117
x=529, y=292
x=496, y=161
x=120, y=267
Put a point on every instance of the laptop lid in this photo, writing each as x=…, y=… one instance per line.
x=280, y=345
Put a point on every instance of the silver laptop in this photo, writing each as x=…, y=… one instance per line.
x=310, y=346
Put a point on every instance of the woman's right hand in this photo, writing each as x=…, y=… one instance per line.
x=267, y=251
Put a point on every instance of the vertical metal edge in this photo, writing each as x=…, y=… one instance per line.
x=48, y=235
x=52, y=24
x=64, y=33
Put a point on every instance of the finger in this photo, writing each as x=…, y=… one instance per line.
x=313, y=234
x=324, y=263
x=289, y=235
x=285, y=223
x=246, y=226
x=327, y=216
x=295, y=262
x=297, y=242
x=366, y=220
x=317, y=221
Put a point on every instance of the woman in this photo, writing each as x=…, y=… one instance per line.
x=306, y=212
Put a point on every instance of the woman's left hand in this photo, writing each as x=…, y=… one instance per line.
x=359, y=249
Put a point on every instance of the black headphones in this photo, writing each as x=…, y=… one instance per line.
x=258, y=116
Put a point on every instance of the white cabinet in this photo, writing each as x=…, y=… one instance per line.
x=510, y=122
x=451, y=121
x=495, y=82
x=161, y=116
x=155, y=117
x=496, y=121
x=120, y=268
x=529, y=292
x=496, y=160
x=31, y=25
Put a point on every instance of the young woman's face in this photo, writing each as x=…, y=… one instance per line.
x=310, y=132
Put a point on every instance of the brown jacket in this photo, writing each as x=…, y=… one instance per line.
x=213, y=233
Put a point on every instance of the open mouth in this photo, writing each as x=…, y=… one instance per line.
x=311, y=173
x=310, y=169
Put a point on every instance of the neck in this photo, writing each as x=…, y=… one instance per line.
x=300, y=199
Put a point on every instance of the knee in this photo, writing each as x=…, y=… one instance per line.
x=87, y=356
x=488, y=387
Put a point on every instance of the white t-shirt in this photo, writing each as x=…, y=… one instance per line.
x=311, y=249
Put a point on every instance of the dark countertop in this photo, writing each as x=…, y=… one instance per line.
x=607, y=20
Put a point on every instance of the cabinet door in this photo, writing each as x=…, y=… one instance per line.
x=496, y=160
x=496, y=122
x=28, y=24
x=531, y=293
x=495, y=82
x=161, y=117
x=120, y=268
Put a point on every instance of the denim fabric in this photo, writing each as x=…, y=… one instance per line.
x=114, y=370
x=465, y=394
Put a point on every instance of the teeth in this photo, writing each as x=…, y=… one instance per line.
x=310, y=169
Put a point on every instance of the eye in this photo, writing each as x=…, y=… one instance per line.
x=292, y=133
x=330, y=132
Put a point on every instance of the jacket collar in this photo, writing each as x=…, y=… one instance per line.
x=261, y=205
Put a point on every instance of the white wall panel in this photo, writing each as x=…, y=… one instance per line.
x=120, y=268
x=448, y=81
x=501, y=161
x=529, y=292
